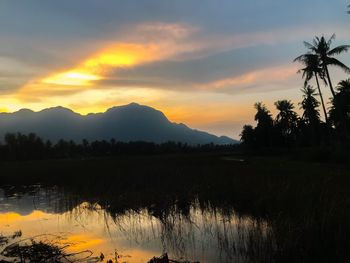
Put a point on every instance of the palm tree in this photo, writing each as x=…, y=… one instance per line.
x=264, y=128
x=322, y=48
x=248, y=135
x=309, y=105
x=287, y=118
x=344, y=86
x=340, y=111
x=313, y=69
x=263, y=115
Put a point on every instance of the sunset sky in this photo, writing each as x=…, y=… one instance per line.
x=203, y=63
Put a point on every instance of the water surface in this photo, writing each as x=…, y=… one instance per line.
x=201, y=233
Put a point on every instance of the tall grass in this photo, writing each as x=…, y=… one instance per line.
x=305, y=204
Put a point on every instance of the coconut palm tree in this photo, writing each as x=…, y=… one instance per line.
x=340, y=111
x=287, y=118
x=344, y=86
x=309, y=105
x=322, y=48
x=264, y=129
x=313, y=69
x=263, y=116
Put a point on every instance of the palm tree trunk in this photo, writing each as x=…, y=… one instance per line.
x=321, y=96
x=329, y=81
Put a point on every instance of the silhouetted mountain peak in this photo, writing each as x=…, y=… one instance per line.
x=135, y=111
x=133, y=104
x=131, y=122
x=58, y=109
x=24, y=111
x=130, y=106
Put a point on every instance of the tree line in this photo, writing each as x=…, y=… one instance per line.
x=18, y=146
x=288, y=129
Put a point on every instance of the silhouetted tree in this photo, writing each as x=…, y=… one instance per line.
x=340, y=111
x=248, y=136
x=311, y=130
x=20, y=146
x=286, y=120
x=309, y=105
x=264, y=128
x=312, y=69
x=263, y=116
x=322, y=48
x=28, y=147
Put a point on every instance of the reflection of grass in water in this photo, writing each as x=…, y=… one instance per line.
x=199, y=235
x=41, y=248
x=304, y=203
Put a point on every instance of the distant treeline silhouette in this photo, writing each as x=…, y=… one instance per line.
x=288, y=129
x=18, y=146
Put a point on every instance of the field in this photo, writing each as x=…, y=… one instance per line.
x=306, y=204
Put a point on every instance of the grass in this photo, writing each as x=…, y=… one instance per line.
x=40, y=249
x=306, y=204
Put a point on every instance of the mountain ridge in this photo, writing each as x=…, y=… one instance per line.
x=131, y=122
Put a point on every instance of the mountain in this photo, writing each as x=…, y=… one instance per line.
x=132, y=122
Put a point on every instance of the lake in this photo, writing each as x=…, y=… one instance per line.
x=203, y=234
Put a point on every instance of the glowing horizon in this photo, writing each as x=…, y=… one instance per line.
x=206, y=73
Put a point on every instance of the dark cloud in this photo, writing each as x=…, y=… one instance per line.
x=85, y=17
x=47, y=36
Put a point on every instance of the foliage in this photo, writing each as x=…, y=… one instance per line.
x=30, y=147
x=288, y=129
x=287, y=118
x=264, y=129
x=321, y=48
x=309, y=105
x=312, y=69
x=340, y=110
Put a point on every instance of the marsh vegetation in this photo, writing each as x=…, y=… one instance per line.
x=260, y=210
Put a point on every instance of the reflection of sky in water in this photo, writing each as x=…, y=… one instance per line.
x=205, y=236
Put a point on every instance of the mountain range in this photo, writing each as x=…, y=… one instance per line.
x=132, y=122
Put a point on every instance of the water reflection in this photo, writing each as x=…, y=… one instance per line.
x=197, y=233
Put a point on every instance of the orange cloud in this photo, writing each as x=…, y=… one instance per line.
x=99, y=64
x=275, y=74
x=113, y=56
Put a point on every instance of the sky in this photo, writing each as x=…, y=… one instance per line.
x=201, y=62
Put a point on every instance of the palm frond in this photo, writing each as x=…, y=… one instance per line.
x=338, y=50
x=307, y=59
x=308, y=45
x=304, y=73
x=299, y=59
x=316, y=41
x=336, y=62
x=324, y=80
x=344, y=86
x=330, y=40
